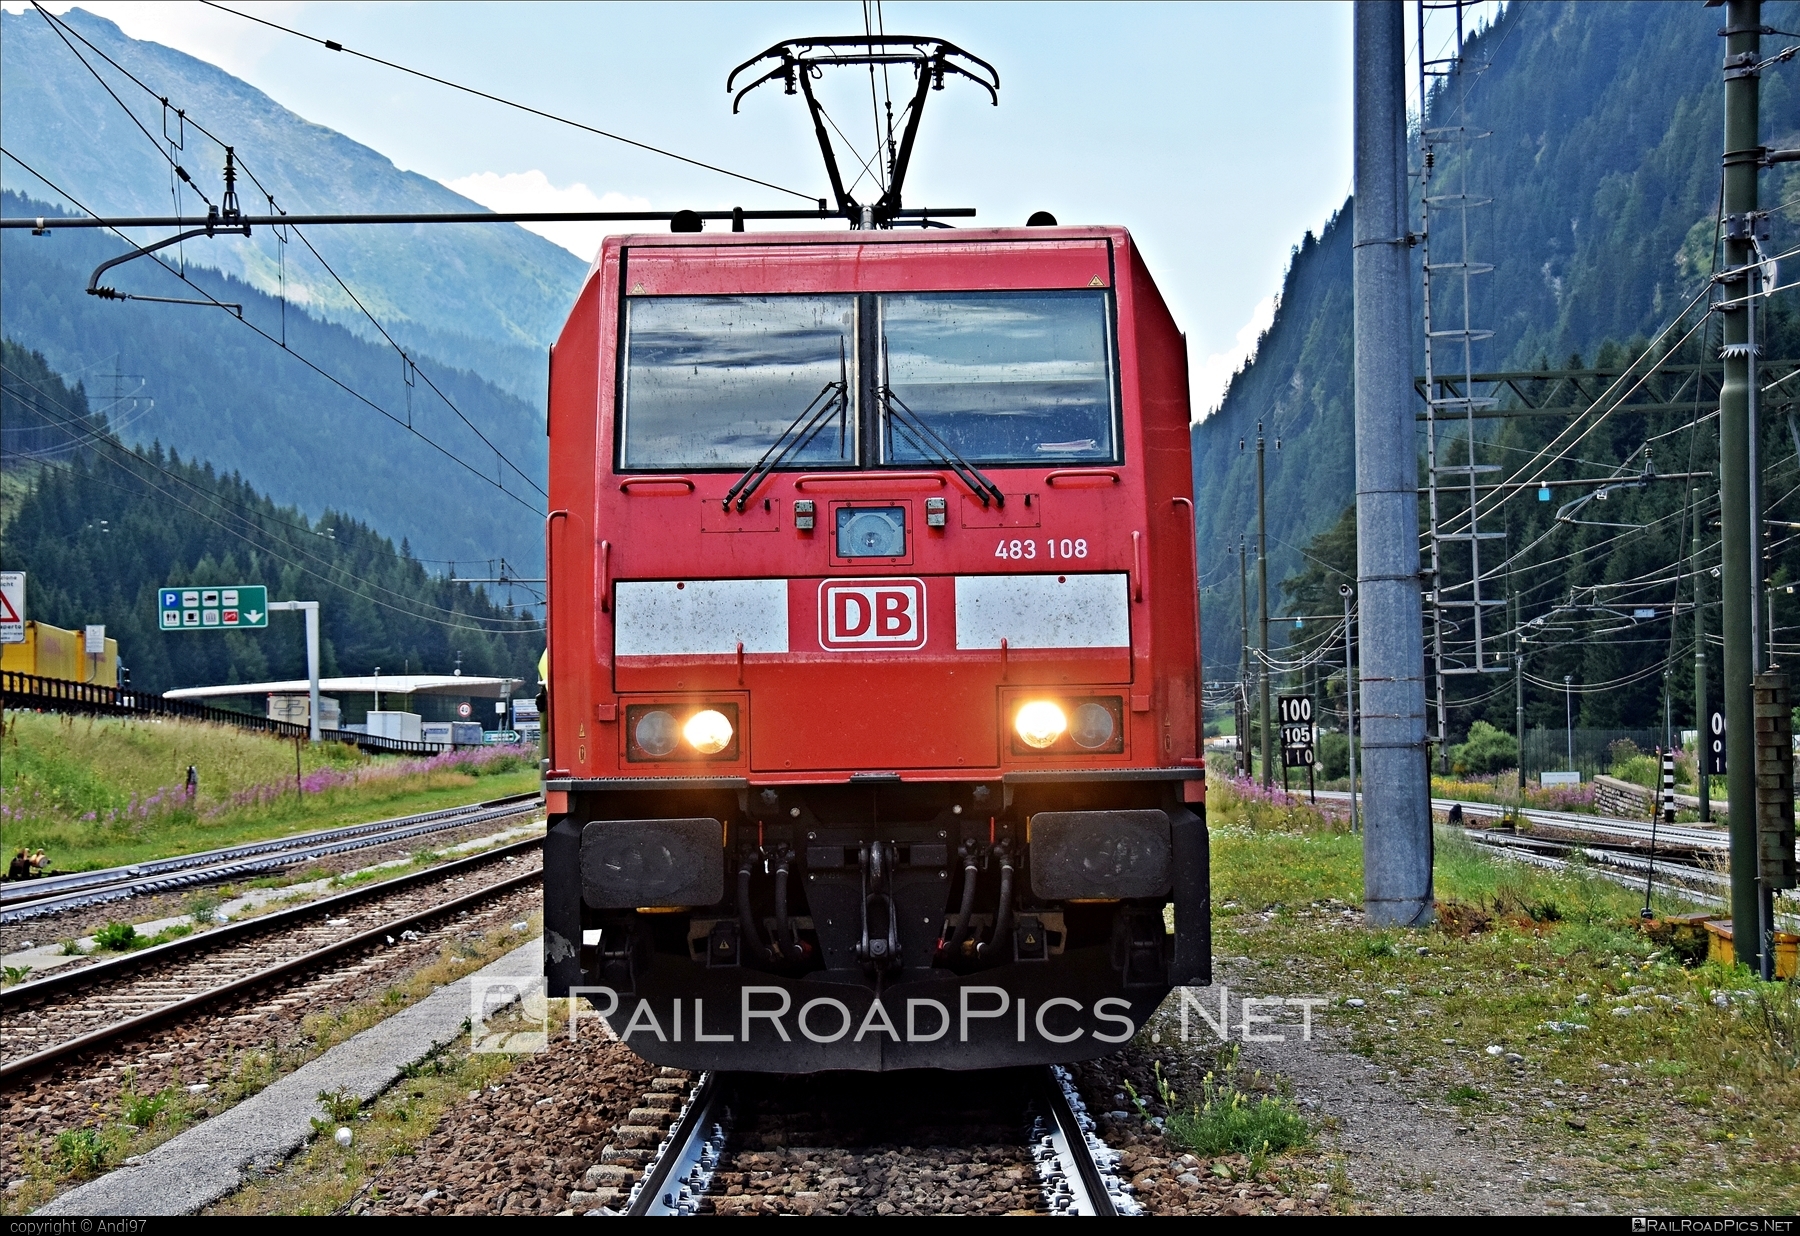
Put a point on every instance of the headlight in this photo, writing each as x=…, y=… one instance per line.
x=708, y=731
x=1093, y=726
x=1040, y=723
x=656, y=733
x=1072, y=725
x=698, y=731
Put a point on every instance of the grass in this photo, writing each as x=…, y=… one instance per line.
x=134, y=1122
x=101, y=792
x=326, y=1178
x=1538, y=1004
x=1225, y=1119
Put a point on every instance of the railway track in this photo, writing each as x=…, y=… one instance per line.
x=1602, y=829
x=29, y=899
x=61, y=1014
x=1613, y=849
x=1023, y=1135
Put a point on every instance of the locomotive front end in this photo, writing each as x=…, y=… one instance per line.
x=874, y=719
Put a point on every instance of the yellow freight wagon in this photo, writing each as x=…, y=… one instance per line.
x=51, y=652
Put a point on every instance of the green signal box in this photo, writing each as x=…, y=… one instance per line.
x=238, y=607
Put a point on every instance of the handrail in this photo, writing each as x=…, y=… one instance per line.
x=854, y=479
x=627, y=484
x=547, y=722
x=1081, y=474
x=1193, y=527
x=606, y=577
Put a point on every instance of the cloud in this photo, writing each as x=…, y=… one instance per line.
x=1212, y=375
x=533, y=191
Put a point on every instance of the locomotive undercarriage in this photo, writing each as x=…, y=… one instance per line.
x=876, y=926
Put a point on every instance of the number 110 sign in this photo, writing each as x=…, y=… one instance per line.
x=1296, y=730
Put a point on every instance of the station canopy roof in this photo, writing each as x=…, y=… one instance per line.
x=464, y=685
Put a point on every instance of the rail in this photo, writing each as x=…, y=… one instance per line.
x=684, y=1164
x=1074, y=1166
x=36, y=693
x=73, y=980
x=23, y=899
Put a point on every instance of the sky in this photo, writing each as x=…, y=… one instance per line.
x=1217, y=133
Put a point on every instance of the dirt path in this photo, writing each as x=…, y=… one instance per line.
x=1405, y=1153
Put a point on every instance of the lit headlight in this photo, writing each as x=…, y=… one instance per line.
x=1093, y=726
x=707, y=731
x=656, y=733
x=1040, y=723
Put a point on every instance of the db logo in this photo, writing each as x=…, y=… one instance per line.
x=865, y=613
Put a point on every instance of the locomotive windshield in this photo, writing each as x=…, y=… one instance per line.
x=711, y=381
x=1000, y=377
x=716, y=382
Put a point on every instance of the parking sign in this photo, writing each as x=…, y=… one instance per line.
x=239, y=607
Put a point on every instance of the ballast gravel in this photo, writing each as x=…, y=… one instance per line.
x=209, y=1161
x=522, y=1146
x=204, y=1049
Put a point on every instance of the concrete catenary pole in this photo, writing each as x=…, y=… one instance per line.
x=1740, y=570
x=1702, y=739
x=1243, y=724
x=1518, y=687
x=1348, y=593
x=1262, y=610
x=1396, y=794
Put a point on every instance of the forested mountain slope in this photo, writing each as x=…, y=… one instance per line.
x=1603, y=170
x=99, y=534
x=252, y=407
x=488, y=296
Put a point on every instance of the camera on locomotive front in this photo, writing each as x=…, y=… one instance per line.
x=874, y=723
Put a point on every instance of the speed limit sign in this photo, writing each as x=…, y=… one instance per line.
x=464, y=710
x=1296, y=731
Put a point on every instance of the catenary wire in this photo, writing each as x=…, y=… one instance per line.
x=301, y=357
x=333, y=45
x=328, y=570
x=412, y=364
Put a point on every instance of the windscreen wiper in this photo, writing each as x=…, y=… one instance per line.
x=832, y=397
x=927, y=442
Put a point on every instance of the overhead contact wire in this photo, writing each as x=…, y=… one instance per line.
x=333, y=45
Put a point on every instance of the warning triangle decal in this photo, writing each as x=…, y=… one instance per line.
x=7, y=612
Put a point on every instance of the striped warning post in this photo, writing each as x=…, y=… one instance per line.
x=1668, y=788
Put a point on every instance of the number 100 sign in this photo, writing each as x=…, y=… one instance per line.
x=1296, y=712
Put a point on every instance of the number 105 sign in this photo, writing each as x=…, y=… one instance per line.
x=1296, y=731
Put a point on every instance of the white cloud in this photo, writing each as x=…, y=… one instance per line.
x=532, y=190
x=1211, y=376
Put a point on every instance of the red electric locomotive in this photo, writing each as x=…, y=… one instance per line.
x=874, y=717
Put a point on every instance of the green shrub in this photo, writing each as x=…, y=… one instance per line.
x=1228, y=1121
x=117, y=937
x=141, y=1110
x=1488, y=750
x=340, y=1105
x=81, y=1152
x=1639, y=769
x=1334, y=754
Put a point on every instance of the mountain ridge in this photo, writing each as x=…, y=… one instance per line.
x=254, y=407
x=1602, y=165
x=494, y=290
